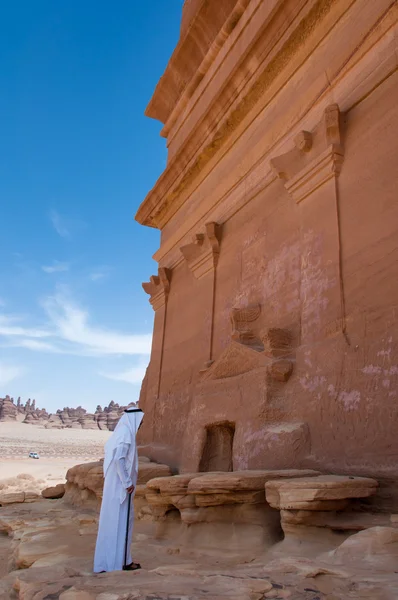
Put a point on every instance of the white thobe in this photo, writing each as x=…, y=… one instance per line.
x=110, y=547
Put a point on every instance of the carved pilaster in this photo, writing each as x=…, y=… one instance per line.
x=202, y=258
x=202, y=254
x=158, y=288
x=310, y=175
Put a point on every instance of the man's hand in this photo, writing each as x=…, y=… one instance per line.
x=130, y=489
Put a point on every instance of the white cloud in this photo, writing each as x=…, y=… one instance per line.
x=134, y=375
x=8, y=327
x=9, y=372
x=59, y=224
x=69, y=330
x=37, y=346
x=72, y=325
x=97, y=276
x=56, y=267
x=99, y=273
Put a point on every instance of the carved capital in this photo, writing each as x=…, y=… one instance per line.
x=242, y=320
x=277, y=342
x=158, y=287
x=281, y=370
x=202, y=254
x=316, y=158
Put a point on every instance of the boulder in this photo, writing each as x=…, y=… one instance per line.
x=375, y=549
x=55, y=492
x=84, y=484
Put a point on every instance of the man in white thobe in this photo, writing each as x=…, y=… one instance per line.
x=112, y=553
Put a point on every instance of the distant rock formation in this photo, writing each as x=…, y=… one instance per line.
x=74, y=418
x=8, y=410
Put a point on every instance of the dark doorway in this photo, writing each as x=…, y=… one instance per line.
x=217, y=451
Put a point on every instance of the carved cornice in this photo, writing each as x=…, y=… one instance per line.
x=158, y=288
x=316, y=157
x=205, y=65
x=203, y=253
x=194, y=52
x=270, y=41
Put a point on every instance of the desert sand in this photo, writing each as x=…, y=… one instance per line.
x=58, y=450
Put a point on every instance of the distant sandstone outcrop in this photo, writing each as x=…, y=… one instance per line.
x=77, y=418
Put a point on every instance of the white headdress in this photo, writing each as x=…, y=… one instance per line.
x=125, y=433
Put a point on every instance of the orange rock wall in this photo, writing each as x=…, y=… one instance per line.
x=299, y=170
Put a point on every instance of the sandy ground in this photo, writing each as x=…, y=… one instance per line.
x=58, y=450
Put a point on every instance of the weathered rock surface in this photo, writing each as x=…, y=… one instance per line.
x=53, y=546
x=223, y=509
x=275, y=341
x=12, y=498
x=84, y=483
x=18, y=497
x=213, y=489
x=8, y=411
x=56, y=492
x=325, y=492
x=376, y=548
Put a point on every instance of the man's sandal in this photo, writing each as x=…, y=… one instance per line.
x=132, y=567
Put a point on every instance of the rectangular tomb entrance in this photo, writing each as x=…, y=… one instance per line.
x=217, y=449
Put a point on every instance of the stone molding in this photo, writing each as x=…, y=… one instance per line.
x=309, y=165
x=204, y=66
x=203, y=253
x=202, y=39
x=158, y=288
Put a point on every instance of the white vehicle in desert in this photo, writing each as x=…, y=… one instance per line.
x=33, y=455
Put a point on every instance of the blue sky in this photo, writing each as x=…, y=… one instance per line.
x=77, y=157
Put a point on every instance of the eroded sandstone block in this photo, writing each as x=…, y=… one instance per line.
x=216, y=508
x=85, y=482
x=12, y=498
x=296, y=494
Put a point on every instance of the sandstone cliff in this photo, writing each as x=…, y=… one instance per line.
x=76, y=418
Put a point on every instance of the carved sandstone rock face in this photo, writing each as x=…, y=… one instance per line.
x=189, y=493
x=58, y=542
x=311, y=493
